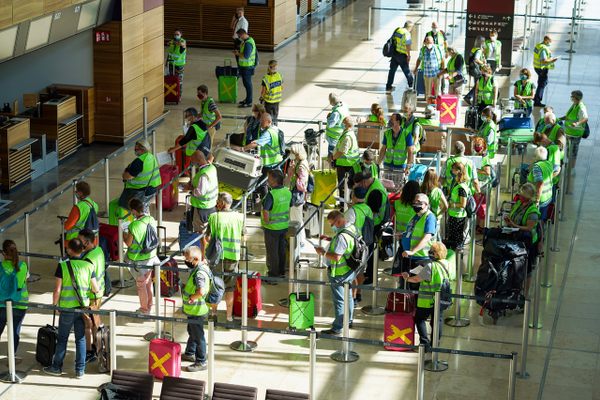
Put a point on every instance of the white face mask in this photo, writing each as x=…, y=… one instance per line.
x=493, y=38
x=429, y=46
x=434, y=30
x=185, y=127
x=292, y=156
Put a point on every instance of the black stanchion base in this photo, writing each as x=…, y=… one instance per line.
x=153, y=335
x=285, y=302
x=373, y=310
x=33, y=278
x=341, y=356
x=534, y=326
x=247, y=347
x=469, y=278
x=524, y=375
x=126, y=284
x=7, y=378
x=439, y=366
x=457, y=322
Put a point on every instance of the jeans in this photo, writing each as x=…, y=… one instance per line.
x=276, y=244
x=66, y=321
x=421, y=317
x=399, y=60
x=196, y=343
x=18, y=316
x=337, y=293
x=246, y=74
x=541, y=85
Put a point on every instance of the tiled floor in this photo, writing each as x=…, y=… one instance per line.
x=331, y=56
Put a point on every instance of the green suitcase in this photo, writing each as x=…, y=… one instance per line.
x=523, y=135
x=302, y=310
x=227, y=89
x=451, y=260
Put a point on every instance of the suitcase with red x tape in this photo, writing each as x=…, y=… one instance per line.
x=164, y=357
x=447, y=105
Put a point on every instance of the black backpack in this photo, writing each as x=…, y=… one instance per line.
x=281, y=137
x=445, y=289
x=357, y=261
x=91, y=222
x=471, y=206
x=388, y=47
x=150, y=241
x=368, y=230
x=474, y=69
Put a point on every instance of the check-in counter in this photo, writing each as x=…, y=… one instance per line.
x=58, y=121
x=15, y=152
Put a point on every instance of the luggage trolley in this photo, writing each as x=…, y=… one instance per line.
x=393, y=180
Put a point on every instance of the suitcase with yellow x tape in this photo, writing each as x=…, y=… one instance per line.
x=164, y=357
x=447, y=105
x=399, y=323
x=172, y=89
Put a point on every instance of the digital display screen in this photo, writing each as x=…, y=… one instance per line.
x=39, y=32
x=88, y=16
x=7, y=42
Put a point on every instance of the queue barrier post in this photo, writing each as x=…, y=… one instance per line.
x=157, y=331
x=470, y=276
x=421, y=373
x=121, y=283
x=535, y=323
x=321, y=259
x=556, y=220
x=12, y=376
x=373, y=308
x=312, y=374
x=488, y=200
x=32, y=277
x=509, y=149
x=449, y=143
x=545, y=282
x=423, y=11
x=159, y=208
x=564, y=175
x=154, y=148
x=106, y=184
x=498, y=198
x=244, y=345
x=346, y=193
x=457, y=321
x=524, y=45
x=438, y=163
x=369, y=24
x=435, y=364
x=74, y=195
x=113, y=340
x=345, y=355
x=571, y=36
x=210, y=356
x=523, y=374
x=512, y=381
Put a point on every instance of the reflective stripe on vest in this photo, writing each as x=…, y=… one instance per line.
x=426, y=299
x=250, y=61
x=279, y=215
x=174, y=56
x=457, y=212
x=208, y=117
x=395, y=151
x=404, y=213
x=198, y=307
x=486, y=130
x=401, y=36
x=273, y=84
x=451, y=68
x=537, y=59
x=531, y=209
x=96, y=257
x=361, y=213
x=497, y=45
x=351, y=157
x=485, y=90
x=526, y=91
x=209, y=199
x=339, y=268
x=418, y=234
x=270, y=154
x=334, y=132
x=378, y=215
x=134, y=252
x=547, y=169
x=82, y=271
x=412, y=128
x=227, y=226
x=150, y=175
x=195, y=143
x=573, y=116
x=84, y=207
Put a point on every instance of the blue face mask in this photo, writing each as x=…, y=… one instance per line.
x=335, y=229
x=523, y=77
x=177, y=37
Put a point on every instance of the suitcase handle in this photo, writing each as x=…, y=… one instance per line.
x=227, y=62
x=172, y=321
x=163, y=228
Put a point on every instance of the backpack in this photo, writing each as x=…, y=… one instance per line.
x=357, y=261
x=281, y=137
x=445, y=289
x=310, y=186
x=91, y=222
x=150, y=242
x=217, y=288
x=471, y=206
x=388, y=47
x=474, y=69
x=9, y=287
x=368, y=230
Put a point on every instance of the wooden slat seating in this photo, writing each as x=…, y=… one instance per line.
x=139, y=382
x=182, y=389
x=273, y=394
x=225, y=391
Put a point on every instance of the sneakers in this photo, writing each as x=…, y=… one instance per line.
x=188, y=357
x=332, y=332
x=197, y=366
x=142, y=311
x=52, y=371
x=90, y=357
x=390, y=88
x=79, y=374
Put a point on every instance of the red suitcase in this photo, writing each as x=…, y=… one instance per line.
x=164, y=355
x=447, y=105
x=399, y=328
x=181, y=160
x=111, y=234
x=254, y=296
x=169, y=280
x=170, y=195
x=404, y=302
x=172, y=89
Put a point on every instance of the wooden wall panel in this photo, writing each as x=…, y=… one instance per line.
x=132, y=120
x=53, y=5
x=133, y=92
x=153, y=23
x=131, y=8
x=133, y=63
x=156, y=107
x=26, y=9
x=108, y=125
x=153, y=53
x=132, y=30
x=109, y=100
x=153, y=82
x=6, y=10
x=185, y=15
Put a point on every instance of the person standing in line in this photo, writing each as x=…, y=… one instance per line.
x=176, y=56
x=271, y=90
x=543, y=62
x=367, y=162
x=248, y=58
x=576, y=124
x=335, y=122
x=475, y=62
x=81, y=211
x=438, y=36
x=141, y=177
x=456, y=225
x=204, y=190
x=455, y=68
x=298, y=172
x=211, y=116
x=196, y=134
x=437, y=200
x=74, y=279
x=486, y=90
x=345, y=155
x=238, y=21
x=524, y=92
x=275, y=219
x=134, y=240
x=459, y=156
x=431, y=62
x=397, y=148
x=13, y=265
x=493, y=52
x=541, y=174
x=489, y=131
x=401, y=55
x=376, y=115
x=420, y=232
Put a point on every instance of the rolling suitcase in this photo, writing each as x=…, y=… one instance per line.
x=102, y=343
x=254, y=296
x=447, y=105
x=169, y=279
x=111, y=234
x=519, y=130
x=47, y=338
x=472, y=118
x=181, y=160
x=170, y=194
x=227, y=77
x=325, y=182
x=400, y=301
x=399, y=328
x=164, y=355
x=410, y=97
x=302, y=307
x=420, y=82
x=172, y=89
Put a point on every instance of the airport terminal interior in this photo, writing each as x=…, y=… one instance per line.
x=332, y=47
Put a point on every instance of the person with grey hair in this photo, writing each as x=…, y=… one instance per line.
x=335, y=122
x=476, y=61
x=298, y=173
x=541, y=173
x=204, y=188
x=397, y=147
x=459, y=156
x=456, y=71
x=401, y=55
x=411, y=126
x=576, y=124
x=227, y=226
x=196, y=137
x=438, y=36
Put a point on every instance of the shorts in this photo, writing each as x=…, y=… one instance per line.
x=93, y=319
x=229, y=266
x=200, y=223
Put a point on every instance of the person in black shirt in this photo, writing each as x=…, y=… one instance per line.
x=195, y=130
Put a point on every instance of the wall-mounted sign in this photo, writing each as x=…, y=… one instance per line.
x=102, y=37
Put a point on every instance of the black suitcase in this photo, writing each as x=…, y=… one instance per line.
x=103, y=349
x=472, y=119
x=47, y=338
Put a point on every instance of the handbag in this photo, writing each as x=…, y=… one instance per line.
x=586, y=131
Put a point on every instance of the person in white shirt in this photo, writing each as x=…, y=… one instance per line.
x=238, y=22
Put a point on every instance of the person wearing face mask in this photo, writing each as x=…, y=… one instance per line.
x=431, y=62
x=176, y=56
x=298, y=172
x=335, y=122
x=489, y=131
x=555, y=152
x=195, y=308
x=204, y=189
x=271, y=90
x=456, y=70
x=81, y=212
x=430, y=278
x=247, y=61
x=493, y=52
x=411, y=127
x=345, y=154
x=486, y=91
x=341, y=246
x=275, y=220
x=211, y=116
x=576, y=124
x=525, y=215
x=397, y=148
x=475, y=63
x=438, y=36
x=251, y=129
x=485, y=175
x=196, y=134
x=367, y=162
x=541, y=124
x=541, y=173
x=524, y=92
x=543, y=62
x=459, y=156
x=420, y=231
x=401, y=55
x=456, y=224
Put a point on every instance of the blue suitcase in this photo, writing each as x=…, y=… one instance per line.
x=518, y=129
x=417, y=173
x=515, y=123
x=186, y=238
x=420, y=83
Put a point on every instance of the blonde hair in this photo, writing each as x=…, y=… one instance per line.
x=439, y=250
x=461, y=176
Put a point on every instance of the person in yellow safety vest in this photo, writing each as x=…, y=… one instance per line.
x=94, y=254
x=376, y=115
x=493, y=52
x=411, y=126
x=524, y=92
x=475, y=62
x=12, y=265
x=431, y=61
x=456, y=71
x=275, y=219
x=367, y=162
x=576, y=125
x=430, y=279
x=552, y=133
x=403, y=210
x=271, y=90
x=195, y=307
x=196, y=134
x=345, y=155
x=541, y=173
x=420, y=231
x=134, y=239
x=459, y=156
x=542, y=63
x=340, y=249
x=248, y=58
x=555, y=150
x=228, y=227
x=176, y=56
x=431, y=118
x=75, y=278
x=437, y=200
x=540, y=125
x=486, y=91
x=397, y=147
x=204, y=189
x=209, y=112
x=81, y=211
x=238, y=21
x=141, y=177
x=457, y=201
x=489, y=131
x=438, y=36
x=335, y=122
x=401, y=55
